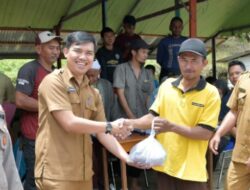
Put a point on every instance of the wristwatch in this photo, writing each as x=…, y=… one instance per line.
x=108, y=128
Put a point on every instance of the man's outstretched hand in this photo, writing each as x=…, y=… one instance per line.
x=121, y=129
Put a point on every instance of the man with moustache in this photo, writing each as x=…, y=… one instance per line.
x=29, y=77
x=70, y=111
x=185, y=114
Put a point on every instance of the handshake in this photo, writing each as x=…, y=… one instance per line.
x=147, y=153
x=121, y=128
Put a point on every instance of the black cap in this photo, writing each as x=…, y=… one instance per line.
x=193, y=45
x=139, y=44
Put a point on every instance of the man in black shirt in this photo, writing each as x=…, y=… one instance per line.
x=108, y=55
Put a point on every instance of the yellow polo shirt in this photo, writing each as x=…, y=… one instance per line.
x=61, y=155
x=186, y=157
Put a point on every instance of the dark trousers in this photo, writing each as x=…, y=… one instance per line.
x=223, y=143
x=29, y=157
x=167, y=182
x=98, y=181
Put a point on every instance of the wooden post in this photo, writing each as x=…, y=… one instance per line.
x=192, y=19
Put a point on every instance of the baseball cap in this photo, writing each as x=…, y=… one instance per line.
x=96, y=65
x=139, y=44
x=46, y=36
x=193, y=45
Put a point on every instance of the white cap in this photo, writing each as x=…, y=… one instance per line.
x=47, y=36
x=96, y=65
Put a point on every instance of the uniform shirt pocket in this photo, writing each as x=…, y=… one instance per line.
x=75, y=103
x=241, y=99
x=90, y=107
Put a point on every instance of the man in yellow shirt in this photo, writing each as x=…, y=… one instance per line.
x=185, y=114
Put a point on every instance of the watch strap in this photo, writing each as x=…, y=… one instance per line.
x=108, y=128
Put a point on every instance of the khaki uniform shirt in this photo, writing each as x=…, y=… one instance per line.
x=61, y=155
x=240, y=102
x=9, y=178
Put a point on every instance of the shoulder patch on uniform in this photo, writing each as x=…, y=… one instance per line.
x=4, y=141
x=22, y=81
x=242, y=90
x=89, y=101
x=58, y=71
x=246, y=73
x=71, y=89
x=197, y=104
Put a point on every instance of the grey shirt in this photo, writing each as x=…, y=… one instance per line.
x=136, y=91
x=109, y=99
x=9, y=178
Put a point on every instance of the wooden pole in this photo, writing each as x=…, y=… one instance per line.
x=192, y=19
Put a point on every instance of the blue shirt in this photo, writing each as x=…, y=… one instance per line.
x=167, y=53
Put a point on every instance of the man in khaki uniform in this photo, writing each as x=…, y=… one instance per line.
x=239, y=116
x=69, y=112
x=9, y=178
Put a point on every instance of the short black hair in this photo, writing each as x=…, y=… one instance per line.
x=222, y=85
x=129, y=19
x=176, y=18
x=211, y=79
x=106, y=30
x=79, y=38
x=139, y=44
x=150, y=67
x=236, y=62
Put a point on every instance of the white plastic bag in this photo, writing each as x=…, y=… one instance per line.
x=149, y=151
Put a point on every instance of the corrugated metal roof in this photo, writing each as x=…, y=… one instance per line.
x=18, y=18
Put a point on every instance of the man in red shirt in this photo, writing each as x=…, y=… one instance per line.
x=124, y=40
x=29, y=77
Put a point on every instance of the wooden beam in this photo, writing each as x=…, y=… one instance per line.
x=214, y=57
x=18, y=55
x=104, y=13
x=136, y=3
x=164, y=11
x=60, y=22
x=177, y=11
x=82, y=10
x=192, y=19
x=17, y=42
x=25, y=29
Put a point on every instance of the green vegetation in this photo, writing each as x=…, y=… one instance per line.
x=10, y=67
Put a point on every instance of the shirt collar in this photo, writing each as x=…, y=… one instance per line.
x=200, y=86
x=70, y=77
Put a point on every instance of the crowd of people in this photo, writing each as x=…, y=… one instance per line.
x=103, y=95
